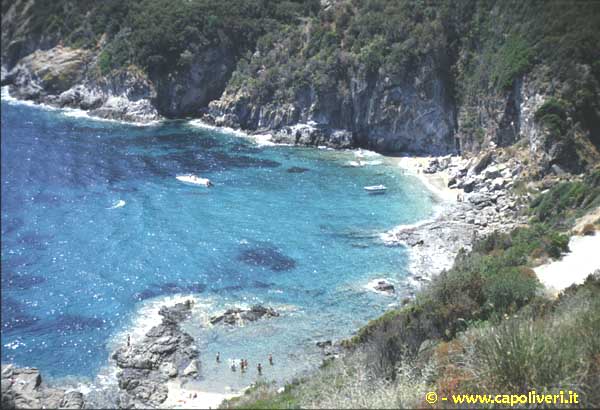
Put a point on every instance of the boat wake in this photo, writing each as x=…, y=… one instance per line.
x=119, y=204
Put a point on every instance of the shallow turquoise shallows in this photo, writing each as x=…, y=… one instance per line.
x=96, y=230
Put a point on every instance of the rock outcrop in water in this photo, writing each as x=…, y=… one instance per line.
x=164, y=353
x=66, y=77
x=238, y=315
x=22, y=388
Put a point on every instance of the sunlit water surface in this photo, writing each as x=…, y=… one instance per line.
x=96, y=231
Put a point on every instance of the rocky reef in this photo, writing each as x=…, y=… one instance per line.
x=23, y=388
x=165, y=356
x=236, y=316
x=145, y=366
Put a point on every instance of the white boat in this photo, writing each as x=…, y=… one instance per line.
x=375, y=188
x=195, y=180
x=358, y=163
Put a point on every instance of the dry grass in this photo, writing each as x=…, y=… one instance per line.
x=349, y=384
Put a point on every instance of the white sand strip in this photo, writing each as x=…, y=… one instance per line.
x=437, y=183
x=179, y=398
x=574, y=267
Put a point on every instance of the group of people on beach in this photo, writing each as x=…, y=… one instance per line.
x=244, y=364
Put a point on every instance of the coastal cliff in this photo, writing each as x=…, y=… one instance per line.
x=459, y=77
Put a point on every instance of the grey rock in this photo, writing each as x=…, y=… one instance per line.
x=169, y=369
x=238, y=315
x=384, y=286
x=324, y=344
x=23, y=388
x=72, y=400
x=498, y=183
x=483, y=162
x=148, y=364
x=191, y=369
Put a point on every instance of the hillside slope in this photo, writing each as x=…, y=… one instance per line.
x=456, y=76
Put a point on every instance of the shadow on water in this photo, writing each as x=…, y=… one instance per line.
x=10, y=225
x=297, y=170
x=18, y=281
x=266, y=256
x=14, y=317
x=170, y=288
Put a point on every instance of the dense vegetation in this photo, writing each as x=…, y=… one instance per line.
x=567, y=200
x=483, y=326
x=287, y=52
x=156, y=34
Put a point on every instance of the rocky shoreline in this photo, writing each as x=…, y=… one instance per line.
x=484, y=203
x=148, y=371
x=64, y=77
x=475, y=201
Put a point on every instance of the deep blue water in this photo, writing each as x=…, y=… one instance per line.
x=76, y=274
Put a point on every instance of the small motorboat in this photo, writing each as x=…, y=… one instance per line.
x=195, y=180
x=376, y=189
x=358, y=163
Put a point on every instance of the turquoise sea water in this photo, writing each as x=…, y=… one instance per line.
x=96, y=230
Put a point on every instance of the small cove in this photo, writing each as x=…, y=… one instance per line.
x=95, y=227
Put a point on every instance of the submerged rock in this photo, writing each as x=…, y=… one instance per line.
x=268, y=257
x=384, y=286
x=238, y=315
x=297, y=170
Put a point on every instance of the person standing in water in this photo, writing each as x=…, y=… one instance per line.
x=218, y=357
x=259, y=368
x=270, y=359
x=128, y=340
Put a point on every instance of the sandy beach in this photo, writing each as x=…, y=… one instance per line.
x=179, y=398
x=573, y=267
x=437, y=182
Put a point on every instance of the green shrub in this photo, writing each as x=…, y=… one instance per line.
x=553, y=115
x=104, y=62
x=513, y=60
x=556, y=348
x=567, y=200
x=509, y=289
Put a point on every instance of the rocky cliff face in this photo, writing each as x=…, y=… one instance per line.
x=509, y=118
x=431, y=87
x=66, y=77
x=370, y=110
x=185, y=91
x=23, y=388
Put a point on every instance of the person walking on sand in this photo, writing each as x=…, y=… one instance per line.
x=259, y=368
x=270, y=359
